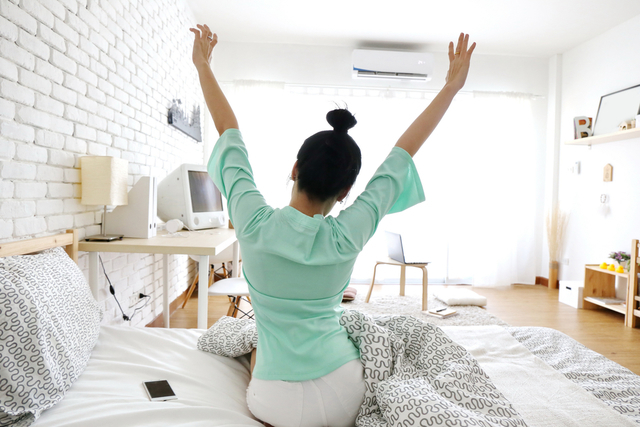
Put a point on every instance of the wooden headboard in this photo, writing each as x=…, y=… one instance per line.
x=23, y=247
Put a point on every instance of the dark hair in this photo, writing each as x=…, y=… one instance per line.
x=329, y=161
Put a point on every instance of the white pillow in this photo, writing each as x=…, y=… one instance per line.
x=49, y=323
x=456, y=296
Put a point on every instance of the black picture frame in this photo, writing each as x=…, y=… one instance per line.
x=616, y=107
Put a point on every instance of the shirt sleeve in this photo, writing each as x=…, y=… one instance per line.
x=394, y=187
x=231, y=172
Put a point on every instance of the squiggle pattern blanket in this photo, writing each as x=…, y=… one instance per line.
x=414, y=373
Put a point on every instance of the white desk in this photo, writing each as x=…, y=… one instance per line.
x=201, y=244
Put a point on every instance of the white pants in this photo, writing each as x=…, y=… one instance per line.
x=332, y=400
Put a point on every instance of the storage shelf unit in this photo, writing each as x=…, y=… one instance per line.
x=601, y=283
x=610, y=137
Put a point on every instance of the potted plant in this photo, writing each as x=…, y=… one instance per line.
x=621, y=259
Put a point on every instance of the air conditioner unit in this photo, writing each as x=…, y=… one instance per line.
x=392, y=64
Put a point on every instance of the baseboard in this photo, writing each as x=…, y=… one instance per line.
x=542, y=281
x=158, y=322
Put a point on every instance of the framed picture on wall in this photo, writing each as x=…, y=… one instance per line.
x=616, y=108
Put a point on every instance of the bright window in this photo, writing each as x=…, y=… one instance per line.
x=478, y=171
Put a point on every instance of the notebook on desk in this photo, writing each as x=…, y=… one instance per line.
x=397, y=253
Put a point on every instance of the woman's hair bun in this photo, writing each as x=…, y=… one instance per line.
x=341, y=120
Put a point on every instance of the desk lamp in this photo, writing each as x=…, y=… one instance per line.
x=104, y=182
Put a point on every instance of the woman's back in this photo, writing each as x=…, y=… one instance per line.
x=297, y=265
x=296, y=275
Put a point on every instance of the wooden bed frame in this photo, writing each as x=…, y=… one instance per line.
x=23, y=247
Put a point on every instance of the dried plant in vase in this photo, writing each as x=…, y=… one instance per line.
x=556, y=226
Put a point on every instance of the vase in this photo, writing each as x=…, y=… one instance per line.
x=553, y=275
x=624, y=264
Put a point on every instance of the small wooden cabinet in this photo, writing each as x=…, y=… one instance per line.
x=601, y=283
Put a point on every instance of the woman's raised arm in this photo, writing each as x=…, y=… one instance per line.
x=203, y=44
x=418, y=132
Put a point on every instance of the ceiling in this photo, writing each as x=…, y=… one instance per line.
x=538, y=28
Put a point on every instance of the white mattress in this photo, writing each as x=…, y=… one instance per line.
x=210, y=389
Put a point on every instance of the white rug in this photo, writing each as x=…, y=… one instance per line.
x=466, y=315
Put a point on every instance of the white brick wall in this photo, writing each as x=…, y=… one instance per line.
x=92, y=77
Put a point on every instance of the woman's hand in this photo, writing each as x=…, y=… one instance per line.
x=203, y=45
x=221, y=112
x=422, y=127
x=459, y=62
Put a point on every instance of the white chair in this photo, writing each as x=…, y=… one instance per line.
x=236, y=289
x=223, y=258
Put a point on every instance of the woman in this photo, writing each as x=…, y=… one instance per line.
x=298, y=260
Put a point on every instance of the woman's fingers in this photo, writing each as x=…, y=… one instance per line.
x=203, y=43
x=462, y=48
x=471, y=49
x=465, y=42
x=459, y=44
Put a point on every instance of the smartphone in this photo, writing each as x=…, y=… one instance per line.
x=159, y=390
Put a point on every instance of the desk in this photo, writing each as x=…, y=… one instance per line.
x=201, y=244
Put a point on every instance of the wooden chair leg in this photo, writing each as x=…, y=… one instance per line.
x=403, y=275
x=425, y=283
x=236, y=306
x=212, y=273
x=191, y=289
x=373, y=281
x=224, y=271
x=232, y=307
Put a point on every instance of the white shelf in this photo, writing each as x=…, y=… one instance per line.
x=610, y=137
x=620, y=308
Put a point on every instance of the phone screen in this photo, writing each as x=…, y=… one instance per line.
x=159, y=390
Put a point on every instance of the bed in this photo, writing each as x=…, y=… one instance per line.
x=549, y=379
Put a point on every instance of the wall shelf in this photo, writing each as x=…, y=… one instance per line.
x=610, y=137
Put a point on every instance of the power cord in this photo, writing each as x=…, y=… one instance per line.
x=113, y=292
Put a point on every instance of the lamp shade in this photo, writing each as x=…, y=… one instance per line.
x=104, y=180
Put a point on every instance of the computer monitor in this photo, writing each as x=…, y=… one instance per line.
x=189, y=194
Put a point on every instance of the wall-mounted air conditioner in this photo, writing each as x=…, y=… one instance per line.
x=392, y=64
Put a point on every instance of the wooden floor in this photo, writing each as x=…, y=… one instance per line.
x=519, y=305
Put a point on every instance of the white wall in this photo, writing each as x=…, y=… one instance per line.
x=329, y=65
x=89, y=77
x=605, y=64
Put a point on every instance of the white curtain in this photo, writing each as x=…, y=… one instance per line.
x=478, y=171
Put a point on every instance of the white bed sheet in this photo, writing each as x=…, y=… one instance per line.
x=211, y=389
x=540, y=394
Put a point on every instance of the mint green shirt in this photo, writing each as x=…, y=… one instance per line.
x=298, y=266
